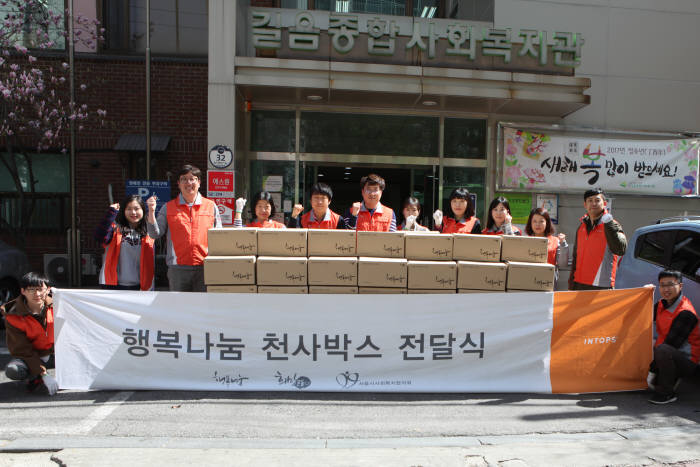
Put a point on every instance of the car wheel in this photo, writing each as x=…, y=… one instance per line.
x=9, y=289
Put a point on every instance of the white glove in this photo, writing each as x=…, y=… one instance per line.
x=410, y=223
x=650, y=380
x=607, y=217
x=50, y=383
x=240, y=204
x=437, y=217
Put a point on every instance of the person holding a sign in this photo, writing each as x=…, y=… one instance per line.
x=539, y=224
x=462, y=219
x=320, y=216
x=185, y=220
x=500, y=220
x=129, y=259
x=677, y=339
x=599, y=244
x=262, y=209
x=371, y=215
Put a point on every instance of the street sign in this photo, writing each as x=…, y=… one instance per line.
x=220, y=189
x=220, y=156
x=147, y=188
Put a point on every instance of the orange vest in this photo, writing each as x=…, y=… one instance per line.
x=595, y=263
x=268, y=224
x=332, y=223
x=188, y=229
x=41, y=339
x=552, y=245
x=450, y=225
x=146, y=263
x=375, y=222
x=664, y=319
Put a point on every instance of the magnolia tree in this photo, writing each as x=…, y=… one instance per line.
x=35, y=106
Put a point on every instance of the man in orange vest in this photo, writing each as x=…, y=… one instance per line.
x=599, y=243
x=372, y=215
x=677, y=339
x=320, y=216
x=29, y=333
x=186, y=221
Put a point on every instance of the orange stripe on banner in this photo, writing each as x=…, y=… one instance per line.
x=601, y=340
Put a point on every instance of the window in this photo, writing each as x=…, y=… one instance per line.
x=652, y=246
x=685, y=256
x=384, y=7
x=465, y=138
x=273, y=131
x=51, y=171
x=37, y=16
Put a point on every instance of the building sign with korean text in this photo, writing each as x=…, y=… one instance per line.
x=220, y=189
x=534, y=160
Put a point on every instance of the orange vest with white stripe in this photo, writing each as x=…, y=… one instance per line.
x=268, y=224
x=664, y=319
x=375, y=222
x=146, y=260
x=188, y=229
x=450, y=225
x=552, y=246
x=595, y=264
x=331, y=223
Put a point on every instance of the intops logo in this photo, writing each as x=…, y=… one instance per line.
x=599, y=340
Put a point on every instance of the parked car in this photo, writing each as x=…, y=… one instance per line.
x=670, y=243
x=13, y=265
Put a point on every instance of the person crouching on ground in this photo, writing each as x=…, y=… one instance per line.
x=29, y=333
x=677, y=339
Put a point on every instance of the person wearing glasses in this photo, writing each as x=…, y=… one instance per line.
x=29, y=334
x=677, y=339
x=371, y=215
x=185, y=221
x=320, y=216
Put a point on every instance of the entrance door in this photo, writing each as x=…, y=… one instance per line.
x=419, y=182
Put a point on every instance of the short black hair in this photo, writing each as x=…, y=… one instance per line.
x=372, y=179
x=189, y=168
x=671, y=273
x=321, y=188
x=33, y=279
x=462, y=193
x=496, y=201
x=262, y=196
x=593, y=192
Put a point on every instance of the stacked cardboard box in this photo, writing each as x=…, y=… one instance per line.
x=343, y=261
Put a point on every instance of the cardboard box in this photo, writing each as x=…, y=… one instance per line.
x=382, y=290
x=430, y=291
x=530, y=276
x=524, y=249
x=381, y=244
x=480, y=275
x=282, y=242
x=296, y=289
x=430, y=246
x=280, y=270
x=323, y=242
x=332, y=289
x=229, y=270
x=338, y=270
x=479, y=291
x=232, y=289
x=471, y=247
x=233, y=242
x=432, y=275
x=382, y=272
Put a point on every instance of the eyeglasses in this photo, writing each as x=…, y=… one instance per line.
x=189, y=180
x=33, y=290
x=668, y=285
x=372, y=191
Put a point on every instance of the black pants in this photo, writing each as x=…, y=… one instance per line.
x=671, y=364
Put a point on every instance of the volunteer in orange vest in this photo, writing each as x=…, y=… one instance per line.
x=499, y=220
x=129, y=254
x=410, y=211
x=462, y=219
x=262, y=209
x=677, y=339
x=539, y=224
x=371, y=215
x=185, y=221
x=320, y=216
x=599, y=243
x=29, y=334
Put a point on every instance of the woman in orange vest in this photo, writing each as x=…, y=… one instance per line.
x=463, y=219
x=262, y=209
x=500, y=220
x=539, y=224
x=410, y=210
x=129, y=258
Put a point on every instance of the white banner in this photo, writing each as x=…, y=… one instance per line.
x=540, y=161
x=248, y=342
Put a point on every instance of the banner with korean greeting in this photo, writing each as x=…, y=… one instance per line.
x=375, y=343
x=541, y=161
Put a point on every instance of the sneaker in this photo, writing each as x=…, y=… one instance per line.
x=663, y=398
x=32, y=384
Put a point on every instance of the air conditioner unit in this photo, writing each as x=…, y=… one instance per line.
x=57, y=267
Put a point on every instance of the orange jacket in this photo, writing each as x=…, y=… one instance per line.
x=146, y=263
x=664, y=319
x=188, y=228
x=450, y=225
x=26, y=337
x=595, y=264
x=378, y=221
x=268, y=224
x=331, y=223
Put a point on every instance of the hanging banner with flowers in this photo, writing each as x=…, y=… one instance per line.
x=540, y=161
